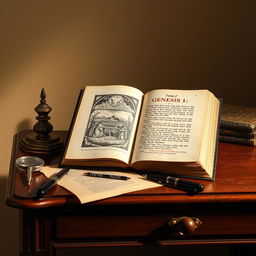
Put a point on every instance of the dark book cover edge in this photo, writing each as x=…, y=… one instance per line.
x=217, y=141
x=71, y=127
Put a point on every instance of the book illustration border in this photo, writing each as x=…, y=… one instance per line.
x=111, y=121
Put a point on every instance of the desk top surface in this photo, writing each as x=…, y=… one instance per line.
x=235, y=182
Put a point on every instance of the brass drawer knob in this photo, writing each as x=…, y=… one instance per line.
x=184, y=225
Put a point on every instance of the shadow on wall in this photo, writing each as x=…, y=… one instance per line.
x=9, y=224
x=25, y=124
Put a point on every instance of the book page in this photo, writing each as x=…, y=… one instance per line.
x=171, y=126
x=89, y=189
x=106, y=123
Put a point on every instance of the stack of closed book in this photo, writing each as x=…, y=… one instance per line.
x=238, y=125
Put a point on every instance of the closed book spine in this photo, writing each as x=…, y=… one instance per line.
x=239, y=134
x=237, y=126
x=237, y=140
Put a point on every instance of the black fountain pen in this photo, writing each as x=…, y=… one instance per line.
x=49, y=183
x=174, y=182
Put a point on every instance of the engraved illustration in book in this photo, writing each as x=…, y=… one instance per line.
x=111, y=121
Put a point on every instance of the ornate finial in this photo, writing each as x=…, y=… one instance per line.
x=43, y=127
x=43, y=95
x=40, y=141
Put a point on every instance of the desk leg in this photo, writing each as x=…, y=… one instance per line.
x=34, y=234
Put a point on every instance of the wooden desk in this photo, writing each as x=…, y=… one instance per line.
x=58, y=223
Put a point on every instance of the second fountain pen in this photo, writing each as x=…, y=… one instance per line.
x=185, y=185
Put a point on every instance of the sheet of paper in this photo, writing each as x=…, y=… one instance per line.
x=89, y=189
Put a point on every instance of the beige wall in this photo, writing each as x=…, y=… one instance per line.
x=61, y=45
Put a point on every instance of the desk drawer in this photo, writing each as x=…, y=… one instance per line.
x=146, y=225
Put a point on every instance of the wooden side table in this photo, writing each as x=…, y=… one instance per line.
x=59, y=225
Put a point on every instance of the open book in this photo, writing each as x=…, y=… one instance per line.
x=166, y=131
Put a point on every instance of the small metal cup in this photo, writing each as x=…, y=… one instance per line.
x=29, y=164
